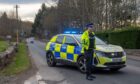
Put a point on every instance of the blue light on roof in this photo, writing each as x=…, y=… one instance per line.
x=67, y=32
x=73, y=32
x=70, y=32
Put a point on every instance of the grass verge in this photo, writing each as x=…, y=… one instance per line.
x=3, y=46
x=20, y=62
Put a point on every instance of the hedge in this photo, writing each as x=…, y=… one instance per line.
x=127, y=38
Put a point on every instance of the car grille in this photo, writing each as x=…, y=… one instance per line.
x=115, y=63
x=114, y=54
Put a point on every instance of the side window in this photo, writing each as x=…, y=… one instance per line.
x=70, y=41
x=59, y=39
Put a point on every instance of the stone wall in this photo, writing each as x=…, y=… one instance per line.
x=6, y=57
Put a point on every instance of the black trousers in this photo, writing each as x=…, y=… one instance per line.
x=89, y=61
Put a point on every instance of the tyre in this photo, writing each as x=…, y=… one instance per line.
x=50, y=59
x=82, y=64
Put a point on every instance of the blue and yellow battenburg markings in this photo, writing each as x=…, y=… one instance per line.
x=63, y=51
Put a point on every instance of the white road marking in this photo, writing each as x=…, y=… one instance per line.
x=41, y=82
x=27, y=82
x=39, y=78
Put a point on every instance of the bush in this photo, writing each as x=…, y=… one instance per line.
x=103, y=36
x=127, y=38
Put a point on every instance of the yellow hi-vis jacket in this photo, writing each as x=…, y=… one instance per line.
x=85, y=41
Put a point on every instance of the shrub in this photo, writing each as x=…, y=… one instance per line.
x=127, y=38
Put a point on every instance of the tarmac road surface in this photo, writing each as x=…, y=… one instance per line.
x=63, y=74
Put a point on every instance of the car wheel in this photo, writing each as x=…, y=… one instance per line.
x=114, y=69
x=50, y=59
x=82, y=64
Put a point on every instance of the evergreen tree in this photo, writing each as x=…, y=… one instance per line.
x=38, y=22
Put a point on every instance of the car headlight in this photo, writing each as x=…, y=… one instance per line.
x=124, y=53
x=110, y=54
x=100, y=53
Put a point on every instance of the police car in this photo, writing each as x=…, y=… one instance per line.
x=66, y=48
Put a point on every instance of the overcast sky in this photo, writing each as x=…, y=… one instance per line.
x=28, y=8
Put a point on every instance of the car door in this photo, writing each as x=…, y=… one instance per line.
x=63, y=54
x=70, y=49
x=59, y=42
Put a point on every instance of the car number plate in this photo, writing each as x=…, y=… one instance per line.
x=116, y=59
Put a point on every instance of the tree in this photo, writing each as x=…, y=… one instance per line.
x=8, y=25
x=105, y=14
x=38, y=28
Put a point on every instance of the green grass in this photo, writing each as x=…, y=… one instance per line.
x=20, y=62
x=3, y=46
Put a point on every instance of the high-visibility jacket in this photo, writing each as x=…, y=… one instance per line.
x=85, y=41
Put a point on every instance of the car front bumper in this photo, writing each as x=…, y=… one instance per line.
x=105, y=62
x=111, y=65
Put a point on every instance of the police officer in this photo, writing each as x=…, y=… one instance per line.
x=88, y=46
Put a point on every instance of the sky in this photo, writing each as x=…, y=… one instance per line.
x=27, y=8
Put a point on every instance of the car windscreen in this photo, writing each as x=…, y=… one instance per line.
x=98, y=40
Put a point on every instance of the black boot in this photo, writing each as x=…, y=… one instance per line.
x=89, y=78
x=92, y=76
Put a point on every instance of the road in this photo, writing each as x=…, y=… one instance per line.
x=63, y=74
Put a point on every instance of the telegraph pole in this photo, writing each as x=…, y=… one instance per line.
x=106, y=15
x=17, y=33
